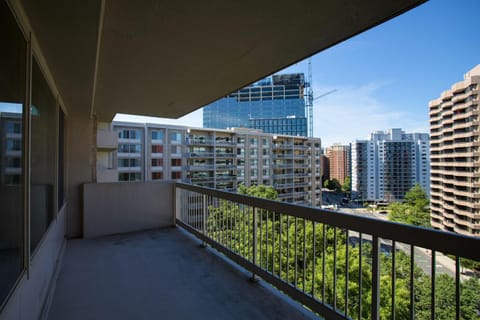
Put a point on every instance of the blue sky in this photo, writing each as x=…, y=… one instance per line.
x=386, y=76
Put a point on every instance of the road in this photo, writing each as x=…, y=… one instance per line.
x=423, y=257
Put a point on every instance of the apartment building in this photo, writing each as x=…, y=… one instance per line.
x=275, y=104
x=455, y=142
x=385, y=167
x=10, y=147
x=221, y=159
x=338, y=162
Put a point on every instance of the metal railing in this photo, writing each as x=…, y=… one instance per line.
x=339, y=265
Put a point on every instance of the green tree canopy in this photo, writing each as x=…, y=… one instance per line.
x=414, y=209
x=346, y=184
x=259, y=191
x=332, y=185
x=416, y=197
x=326, y=183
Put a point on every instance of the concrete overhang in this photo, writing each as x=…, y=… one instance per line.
x=168, y=58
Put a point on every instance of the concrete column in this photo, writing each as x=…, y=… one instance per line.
x=80, y=167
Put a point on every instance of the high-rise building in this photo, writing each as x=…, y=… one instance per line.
x=455, y=142
x=338, y=162
x=325, y=167
x=275, y=105
x=289, y=125
x=385, y=167
x=221, y=159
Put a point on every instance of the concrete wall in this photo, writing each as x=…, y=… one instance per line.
x=80, y=167
x=27, y=301
x=110, y=208
x=106, y=175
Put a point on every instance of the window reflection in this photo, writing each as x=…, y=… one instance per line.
x=12, y=99
x=43, y=153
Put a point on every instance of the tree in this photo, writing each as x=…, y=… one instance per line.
x=416, y=197
x=346, y=184
x=259, y=191
x=445, y=296
x=414, y=209
x=285, y=247
x=332, y=185
x=326, y=183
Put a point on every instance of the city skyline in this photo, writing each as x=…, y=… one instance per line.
x=386, y=76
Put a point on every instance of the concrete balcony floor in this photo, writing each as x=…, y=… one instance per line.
x=159, y=274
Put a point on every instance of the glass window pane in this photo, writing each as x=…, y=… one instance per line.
x=61, y=141
x=12, y=100
x=43, y=153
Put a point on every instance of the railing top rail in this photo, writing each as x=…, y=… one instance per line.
x=446, y=242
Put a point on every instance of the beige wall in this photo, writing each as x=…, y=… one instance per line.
x=111, y=208
x=80, y=168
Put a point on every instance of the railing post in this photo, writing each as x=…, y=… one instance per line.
x=204, y=218
x=375, y=278
x=177, y=202
x=254, y=236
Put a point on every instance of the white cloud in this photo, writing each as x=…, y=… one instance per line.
x=353, y=113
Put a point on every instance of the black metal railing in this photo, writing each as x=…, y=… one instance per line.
x=341, y=266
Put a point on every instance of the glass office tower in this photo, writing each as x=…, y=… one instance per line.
x=274, y=98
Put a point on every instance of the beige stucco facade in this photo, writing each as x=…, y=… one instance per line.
x=455, y=154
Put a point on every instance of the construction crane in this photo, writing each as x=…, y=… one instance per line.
x=310, y=98
x=324, y=94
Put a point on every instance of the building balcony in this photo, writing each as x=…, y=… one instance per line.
x=225, y=155
x=12, y=170
x=199, y=154
x=107, y=140
x=107, y=175
x=169, y=277
x=227, y=177
x=13, y=153
x=129, y=169
x=157, y=142
x=136, y=140
x=226, y=143
x=13, y=135
x=224, y=166
x=200, y=167
x=200, y=142
x=197, y=179
x=282, y=146
x=129, y=155
x=157, y=155
x=131, y=264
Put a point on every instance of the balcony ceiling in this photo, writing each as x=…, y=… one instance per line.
x=168, y=58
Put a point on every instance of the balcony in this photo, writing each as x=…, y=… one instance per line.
x=107, y=174
x=107, y=140
x=200, y=141
x=253, y=233
x=159, y=274
x=132, y=265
